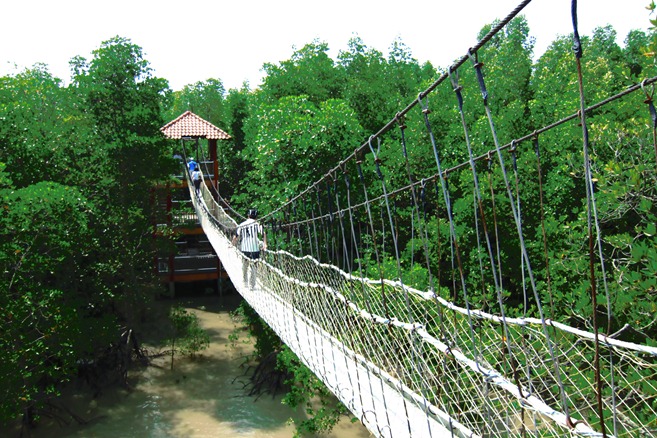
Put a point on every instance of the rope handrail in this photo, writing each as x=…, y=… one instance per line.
x=490, y=375
x=431, y=296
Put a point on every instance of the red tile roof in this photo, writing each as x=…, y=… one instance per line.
x=189, y=124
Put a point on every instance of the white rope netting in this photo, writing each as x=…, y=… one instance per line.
x=430, y=370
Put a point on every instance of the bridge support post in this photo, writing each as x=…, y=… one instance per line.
x=172, y=289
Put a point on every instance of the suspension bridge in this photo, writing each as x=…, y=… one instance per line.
x=447, y=360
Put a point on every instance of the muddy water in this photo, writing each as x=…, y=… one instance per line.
x=200, y=398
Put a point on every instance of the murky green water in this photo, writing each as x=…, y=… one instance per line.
x=200, y=398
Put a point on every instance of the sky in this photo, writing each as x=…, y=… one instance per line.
x=187, y=41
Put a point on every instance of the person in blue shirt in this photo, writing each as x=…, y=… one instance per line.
x=192, y=164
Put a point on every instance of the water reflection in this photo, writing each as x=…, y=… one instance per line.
x=200, y=398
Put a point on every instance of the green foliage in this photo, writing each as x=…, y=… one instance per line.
x=308, y=391
x=130, y=156
x=290, y=143
x=76, y=241
x=266, y=339
x=310, y=72
x=43, y=250
x=232, y=165
x=37, y=117
x=189, y=338
x=375, y=87
x=206, y=99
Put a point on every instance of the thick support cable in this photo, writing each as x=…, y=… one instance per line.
x=422, y=220
x=524, y=289
x=332, y=257
x=493, y=203
x=479, y=209
x=309, y=240
x=452, y=228
x=323, y=220
x=377, y=163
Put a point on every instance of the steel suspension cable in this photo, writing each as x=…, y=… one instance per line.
x=512, y=150
x=422, y=220
x=591, y=218
x=653, y=113
x=377, y=164
x=479, y=206
x=539, y=172
x=480, y=78
x=452, y=228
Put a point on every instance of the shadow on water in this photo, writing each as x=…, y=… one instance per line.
x=202, y=397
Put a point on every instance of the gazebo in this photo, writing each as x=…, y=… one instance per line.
x=189, y=126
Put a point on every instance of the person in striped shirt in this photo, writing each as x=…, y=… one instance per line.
x=248, y=235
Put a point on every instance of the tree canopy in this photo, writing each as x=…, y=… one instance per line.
x=76, y=244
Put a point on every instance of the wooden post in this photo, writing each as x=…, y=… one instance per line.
x=212, y=145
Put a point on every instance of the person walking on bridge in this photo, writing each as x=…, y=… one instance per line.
x=191, y=164
x=248, y=233
x=197, y=178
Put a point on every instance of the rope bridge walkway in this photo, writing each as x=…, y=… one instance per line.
x=455, y=358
